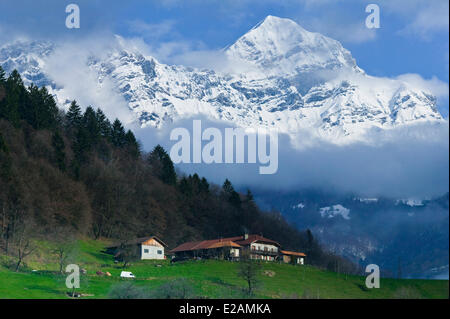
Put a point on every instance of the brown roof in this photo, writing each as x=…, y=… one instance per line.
x=205, y=244
x=138, y=241
x=237, y=241
x=292, y=253
x=224, y=244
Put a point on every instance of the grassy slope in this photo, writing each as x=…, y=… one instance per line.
x=213, y=279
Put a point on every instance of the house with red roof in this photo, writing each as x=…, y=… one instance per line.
x=232, y=248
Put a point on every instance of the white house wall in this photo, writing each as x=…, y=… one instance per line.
x=152, y=252
x=261, y=247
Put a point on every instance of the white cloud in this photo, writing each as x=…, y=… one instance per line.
x=152, y=31
x=352, y=32
x=68, y=68
x=423, y=18
x=435, y=86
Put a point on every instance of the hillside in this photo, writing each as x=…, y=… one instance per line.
x=66, y=175
x=207, y=279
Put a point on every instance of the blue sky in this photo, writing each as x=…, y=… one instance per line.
x=413, y=37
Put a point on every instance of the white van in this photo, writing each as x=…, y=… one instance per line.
x=127, y=274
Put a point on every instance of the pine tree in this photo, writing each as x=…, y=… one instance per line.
x=162, y=165
x=231, y=194
x=50, y=111
x=91, y=125
x=74, y=115
x=132, y=144
x=204, y=185
x=40, y=109
x=103, y=123
x=118, y=134
x=2, y=76
x=227, y=187
x=15, y=97
x=2, y=91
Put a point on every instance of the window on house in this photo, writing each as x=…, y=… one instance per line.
x=145, y=251
x=159, y=252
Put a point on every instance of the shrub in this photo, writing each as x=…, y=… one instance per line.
x=176, y=289
x=127, y=291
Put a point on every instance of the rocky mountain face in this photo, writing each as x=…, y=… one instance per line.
x=282, y=77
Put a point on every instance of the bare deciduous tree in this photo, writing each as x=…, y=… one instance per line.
x=22, y=240
x=249, y=270
x=65, y=246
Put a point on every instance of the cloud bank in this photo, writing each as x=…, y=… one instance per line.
x=411, y=162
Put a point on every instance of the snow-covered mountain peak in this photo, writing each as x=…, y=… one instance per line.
x=299, y=81
x=280, y=46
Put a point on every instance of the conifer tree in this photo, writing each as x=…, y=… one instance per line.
x=40, y=109
x=50, y=111
x=16, y=95
x=132, y=144
x=103, y=123
x=2, y=76
x=74, y=115
x=117, y=134
x=162, y=165
x=90, y=124
x=230, y=193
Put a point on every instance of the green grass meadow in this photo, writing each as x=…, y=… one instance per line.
x=209, y=279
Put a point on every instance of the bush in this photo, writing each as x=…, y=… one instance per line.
x=127, y=291
x=176, y=289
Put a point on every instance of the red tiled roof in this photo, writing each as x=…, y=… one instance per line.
x=205, y=244
x=224, y=244
x=292, y=253
x=237, y=241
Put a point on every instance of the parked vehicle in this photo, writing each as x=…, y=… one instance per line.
x=127, y=274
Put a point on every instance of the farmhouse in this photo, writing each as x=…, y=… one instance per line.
x=258, y=247
x=145, y=248
x=216, y=248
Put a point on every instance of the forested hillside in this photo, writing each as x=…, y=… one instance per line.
x=77, y=174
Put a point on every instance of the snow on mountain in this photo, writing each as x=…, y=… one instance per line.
x=279, y=46
x=335, y=210
x=366, y=200
x=299, y=206
x=410, y=202
x=291, y=79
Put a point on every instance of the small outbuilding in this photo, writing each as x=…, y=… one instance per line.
x=148, y=248
x=293, y=257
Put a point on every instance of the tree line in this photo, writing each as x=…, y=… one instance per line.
x=70, y=174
